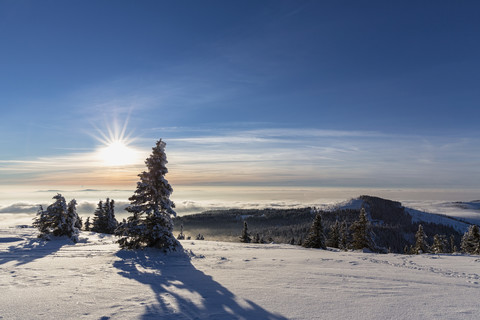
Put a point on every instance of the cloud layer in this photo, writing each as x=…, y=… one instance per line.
x=273, y=157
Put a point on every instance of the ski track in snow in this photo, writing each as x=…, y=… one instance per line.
x=93, y=279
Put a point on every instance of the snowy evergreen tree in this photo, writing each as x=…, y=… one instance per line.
x=58, y=219
x=42, y=223
x=315, y=237
x=344, y=236
x=421, y=245
x=99, y=218
x=181, y=236
x=151, y=222
x=471, y=240
x=361, y=232
x=104, y=217
x=440, y=244
x=334, y=235
x=87, y=224
x=71, y=221
x=111, y=222
x=245, y=237
x=453, y=247
x=131, y=232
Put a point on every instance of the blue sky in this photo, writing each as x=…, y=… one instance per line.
x=252, y=93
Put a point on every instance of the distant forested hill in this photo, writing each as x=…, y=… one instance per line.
x=392, y=226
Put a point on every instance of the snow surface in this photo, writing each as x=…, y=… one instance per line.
x=93, y=279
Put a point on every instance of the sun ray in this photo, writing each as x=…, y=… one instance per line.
x=116, y=149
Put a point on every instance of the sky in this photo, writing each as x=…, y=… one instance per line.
x=287, y=95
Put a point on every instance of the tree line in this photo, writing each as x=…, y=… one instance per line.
x=360, y=236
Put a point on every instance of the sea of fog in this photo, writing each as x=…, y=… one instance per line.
x=18, y=205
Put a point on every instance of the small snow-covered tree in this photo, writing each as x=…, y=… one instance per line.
x=104, y=217
x=315, y=237
x=151, y=224
x=344, y=236
x=111, y=221
x=440, y=244
x=245, y=237
x=421, y=245
x=453, y=247
x=58, y=219
x=87, y=224
x=42, y=222
x=181, y=236
x=334, y=235
x=98, y=222
x=360, y=229
x=71, y=221
x=471, y=240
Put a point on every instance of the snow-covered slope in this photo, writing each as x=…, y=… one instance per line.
x=465, y=211
x=458, y=215
x=93, y=279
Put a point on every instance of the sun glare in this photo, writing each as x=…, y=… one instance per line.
x=116, y=149
x=117, y=153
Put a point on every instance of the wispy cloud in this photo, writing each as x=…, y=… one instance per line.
x=274, y=156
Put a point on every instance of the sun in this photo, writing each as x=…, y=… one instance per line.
x=118, y=153
x=116, y=149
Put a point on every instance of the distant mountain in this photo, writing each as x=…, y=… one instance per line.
x=393, y=225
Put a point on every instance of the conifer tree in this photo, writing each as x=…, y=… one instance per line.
x=315, y=237
x=181, y=236
x=453, y=247
x=334, y=235
x=471, y=240
x=111, y=223
x=58, y=219
x=439, y=244
x=87, y=224
x=99, y=218
x=361, y=232
x=245, y=237
x=42, y=222
x=344, y=236
x=421, y=245
x=104, y=217
x=71, y=221
x=151, y=222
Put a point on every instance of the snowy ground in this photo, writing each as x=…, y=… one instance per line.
x=93, y=279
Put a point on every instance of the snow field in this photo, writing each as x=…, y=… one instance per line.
x=93, y=279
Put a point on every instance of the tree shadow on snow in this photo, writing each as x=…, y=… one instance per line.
x=30, y=250
x=182, y=291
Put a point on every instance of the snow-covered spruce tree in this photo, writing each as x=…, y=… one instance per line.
x=315, y=237
x=71, y=221
x=58, y=219
x=104, y=217
x=42, y=223
x=98, y=222
x=453, y=247
x=440, y=244
x=151, y=222
x=360, y=229
x=471, y=240
x=344, y=236
x=421, y=245
x=87, y=224
x=334, y=235
x=245, y=237
x=111, y=222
